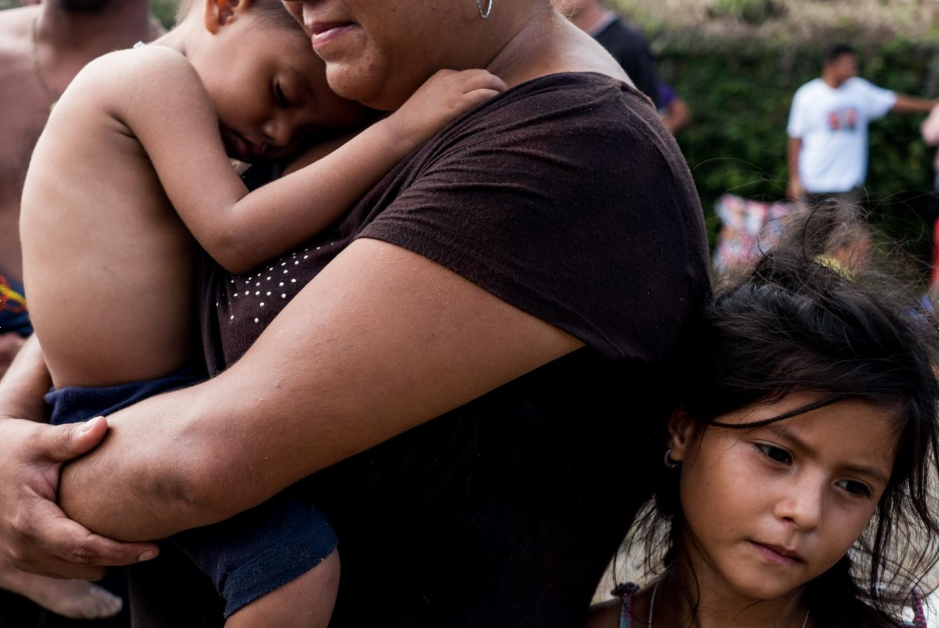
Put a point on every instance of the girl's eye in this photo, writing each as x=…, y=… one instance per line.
x=775, y=453
x=279, y=96
x=855, y=488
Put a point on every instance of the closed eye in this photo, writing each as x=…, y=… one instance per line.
x=279, y=96
x=776, y=454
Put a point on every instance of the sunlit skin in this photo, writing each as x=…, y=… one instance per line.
x=769, y=509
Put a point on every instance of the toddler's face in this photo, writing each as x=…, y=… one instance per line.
x=769, y=509
x=269, y=90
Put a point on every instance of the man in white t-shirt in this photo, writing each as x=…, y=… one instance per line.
x=828, y=129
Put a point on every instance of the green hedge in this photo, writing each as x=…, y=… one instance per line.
x=741, y=93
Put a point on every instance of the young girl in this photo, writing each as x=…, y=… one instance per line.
x=132, y=169
x=795, y=489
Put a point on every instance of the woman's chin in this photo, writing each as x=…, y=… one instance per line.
x=366, y=85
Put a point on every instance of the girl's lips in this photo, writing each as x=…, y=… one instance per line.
x=778, y=555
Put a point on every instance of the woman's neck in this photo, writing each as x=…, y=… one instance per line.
x=560, y=46
x=701, y=595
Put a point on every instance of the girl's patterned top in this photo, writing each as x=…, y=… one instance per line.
x=627, y=593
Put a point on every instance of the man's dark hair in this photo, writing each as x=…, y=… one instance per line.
x=837, y=51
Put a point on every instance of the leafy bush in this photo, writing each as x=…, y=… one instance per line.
x=751, y=11
x=741, y=92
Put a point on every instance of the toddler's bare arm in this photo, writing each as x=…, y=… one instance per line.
x=158, y=95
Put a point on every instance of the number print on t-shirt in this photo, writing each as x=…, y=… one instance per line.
x=844, y=119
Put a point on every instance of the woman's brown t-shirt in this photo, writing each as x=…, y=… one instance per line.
x=567, y=198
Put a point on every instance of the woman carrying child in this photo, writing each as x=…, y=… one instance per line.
x=461, y=361
x=796, y=487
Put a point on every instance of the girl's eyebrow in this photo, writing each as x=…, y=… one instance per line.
x=857, y=469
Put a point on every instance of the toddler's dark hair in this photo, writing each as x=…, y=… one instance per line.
x=821, y=313
x=272, y=12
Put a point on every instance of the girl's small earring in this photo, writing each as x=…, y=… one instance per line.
x=671, y=464
x=488, y=11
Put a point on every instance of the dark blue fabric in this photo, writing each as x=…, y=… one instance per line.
x=261, y=549
x=74, y=404
x=246, y=556
x=14, y=317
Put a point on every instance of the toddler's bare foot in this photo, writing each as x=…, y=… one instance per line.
x=75, y=599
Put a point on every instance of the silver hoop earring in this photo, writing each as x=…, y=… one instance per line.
x=671, y=464
x=479, y=7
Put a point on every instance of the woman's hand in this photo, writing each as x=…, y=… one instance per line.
x=35, y=535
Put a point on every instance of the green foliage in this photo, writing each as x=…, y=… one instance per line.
x=741, y=94
x=165, y=11
x=750, y=11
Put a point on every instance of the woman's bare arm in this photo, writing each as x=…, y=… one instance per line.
x=381, y=341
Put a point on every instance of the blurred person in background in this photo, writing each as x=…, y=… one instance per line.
x=828, y=126
x=930, y=130
x=622, y=40
x=42, y=48
x=674, y=111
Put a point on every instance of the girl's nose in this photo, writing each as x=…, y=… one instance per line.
x=804, y=503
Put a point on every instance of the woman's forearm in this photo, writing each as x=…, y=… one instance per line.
x=380, y=342
x=141, y=482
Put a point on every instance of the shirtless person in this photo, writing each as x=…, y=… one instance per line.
x=133, y=163
x=41, y=50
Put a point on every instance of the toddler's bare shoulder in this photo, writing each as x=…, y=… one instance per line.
x=144, y=72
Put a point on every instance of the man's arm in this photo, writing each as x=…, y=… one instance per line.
x=678, y=115
x=909, y=104
x=381, y=341
x=21, y=393
x=10, y=345
x=794, y=191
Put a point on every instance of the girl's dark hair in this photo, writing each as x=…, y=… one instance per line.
x=820, y=313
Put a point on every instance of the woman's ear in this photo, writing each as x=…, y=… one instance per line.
x=681, y=428
x=218, y=13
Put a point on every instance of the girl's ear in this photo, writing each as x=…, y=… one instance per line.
x=218, y=13
x=681, y=428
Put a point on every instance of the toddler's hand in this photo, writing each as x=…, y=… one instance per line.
x=442, y=99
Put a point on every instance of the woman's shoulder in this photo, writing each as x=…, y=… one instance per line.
x=586, y=116
x=583, y=95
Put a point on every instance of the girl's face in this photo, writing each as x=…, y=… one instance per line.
x=768, y=509
x=268, y=88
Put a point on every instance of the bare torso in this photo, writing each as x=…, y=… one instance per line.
x=24, y=109
x=25, y=104
x=108, y=261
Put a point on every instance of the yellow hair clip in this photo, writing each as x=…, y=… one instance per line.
x=834, y=264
